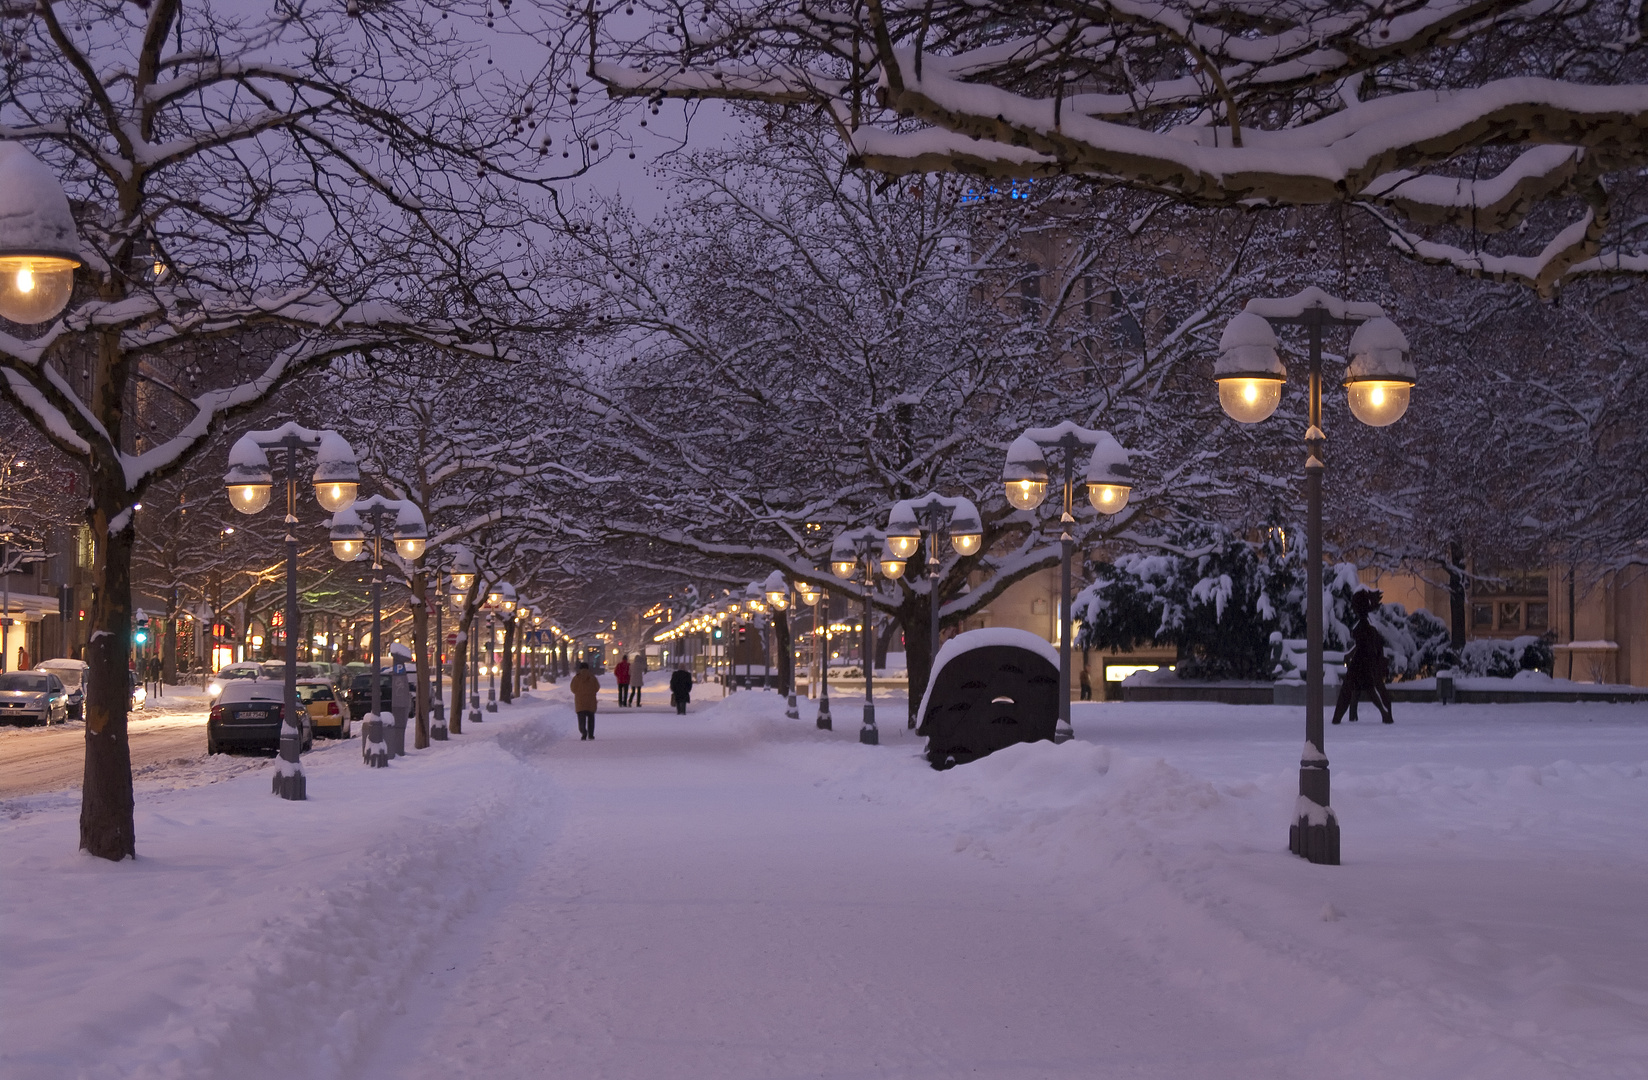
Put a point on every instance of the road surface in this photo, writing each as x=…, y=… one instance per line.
x=34, y=760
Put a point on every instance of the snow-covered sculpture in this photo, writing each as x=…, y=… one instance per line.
x=990, y=689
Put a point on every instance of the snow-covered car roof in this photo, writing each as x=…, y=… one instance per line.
x=251, y=690
x=63, y=664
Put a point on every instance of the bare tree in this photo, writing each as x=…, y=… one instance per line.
x=1498, y=136
x=282, y=188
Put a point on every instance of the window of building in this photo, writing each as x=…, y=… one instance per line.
x=1510, y=614
x=1482, y=616
x=1129, y=334
x=1030, y=290
x=1537, y=617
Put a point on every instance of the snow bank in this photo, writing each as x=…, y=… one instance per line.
x=252, y=937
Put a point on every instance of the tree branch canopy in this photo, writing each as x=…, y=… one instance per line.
x=1452, y=115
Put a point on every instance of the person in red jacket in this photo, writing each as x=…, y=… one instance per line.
x=622, y=672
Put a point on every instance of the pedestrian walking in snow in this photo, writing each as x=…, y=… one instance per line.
x=622, y=673
x=1365, y=663
x=1086, y=686
x=586, y=693
x=680, y=689
x=637, y=672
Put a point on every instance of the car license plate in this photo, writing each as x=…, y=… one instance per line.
x=259, y=715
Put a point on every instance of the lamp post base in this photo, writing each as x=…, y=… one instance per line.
x=824, y=722
x=1062, y=732
x=868, y=734
x=1315, y=837
x=790, y=710
x=374, y=750
x=437, y=732
x=474, y=716
x=290, y=783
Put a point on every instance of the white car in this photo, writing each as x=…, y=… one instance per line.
x=245, y=669
x=72, y=673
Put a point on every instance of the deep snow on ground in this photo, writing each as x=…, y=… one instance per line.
x=736, y=895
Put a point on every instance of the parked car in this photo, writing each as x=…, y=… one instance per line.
x=32, y=697
x=245, y=669
x=248, y=715
x=326, y=714
x=72, y=673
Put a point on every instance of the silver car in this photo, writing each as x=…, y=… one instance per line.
x=32, y=697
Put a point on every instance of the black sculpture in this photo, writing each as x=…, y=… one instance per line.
x=986, y=697
x=1365, y=668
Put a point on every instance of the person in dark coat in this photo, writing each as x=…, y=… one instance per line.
x=1365, y=669
x=680, y=689
x=621, y=673
x=586, y=692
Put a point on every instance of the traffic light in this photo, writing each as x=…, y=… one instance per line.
x=715, y=635
x=140, y=636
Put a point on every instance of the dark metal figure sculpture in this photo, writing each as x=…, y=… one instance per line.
x=1365, y=668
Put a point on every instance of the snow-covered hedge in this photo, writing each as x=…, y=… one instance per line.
x=1221, y=601
x=1505, y=659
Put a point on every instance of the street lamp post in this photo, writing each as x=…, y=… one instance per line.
x=814, y=597
x=1109, y=482
x=781, y=598
x=931, y=514
x=249, y=482
x=373, y=519
x=851, y=549
x=1378, y=380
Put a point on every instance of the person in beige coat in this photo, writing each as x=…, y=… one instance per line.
x=586, y=692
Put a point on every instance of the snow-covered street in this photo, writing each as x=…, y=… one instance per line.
x=731, y=894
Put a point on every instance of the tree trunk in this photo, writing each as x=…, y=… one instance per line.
x=785, y=657
x=506, y=689
x=106, y=804
x=1456, y=594
x=918, y=649
x=460, y=673
x=420, y=649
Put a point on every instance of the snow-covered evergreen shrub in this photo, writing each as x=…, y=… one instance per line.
x=1499, y=659
x=1222, y=602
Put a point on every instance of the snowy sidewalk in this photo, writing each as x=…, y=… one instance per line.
x=699, y=909
x=733, y=895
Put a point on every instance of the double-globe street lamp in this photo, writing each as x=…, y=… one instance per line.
x=500, y=602
x=852, y=549
x=933, y=514
x=1109, y=482
x=1377, y=382
x=250, y=481
x=781, y=598
x=461, y=576
x=372, y=520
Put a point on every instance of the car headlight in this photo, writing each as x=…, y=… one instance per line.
x=214, y=689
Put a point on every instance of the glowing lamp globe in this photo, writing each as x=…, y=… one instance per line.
x=892, y=568
x=903, y=546
x=809, y=594
x=38, y=239
x=1381, y=373
x=348, y=550
x=249, y=498
x=1026, y=494
x=411, y=547
x=1249, y=400
x=336, y=495
x=1025, y=475
x=1108, y=498
x=843, y=568
x=35, y=288
x=966, y=543
x=1109, y=475
x=1249, y=373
